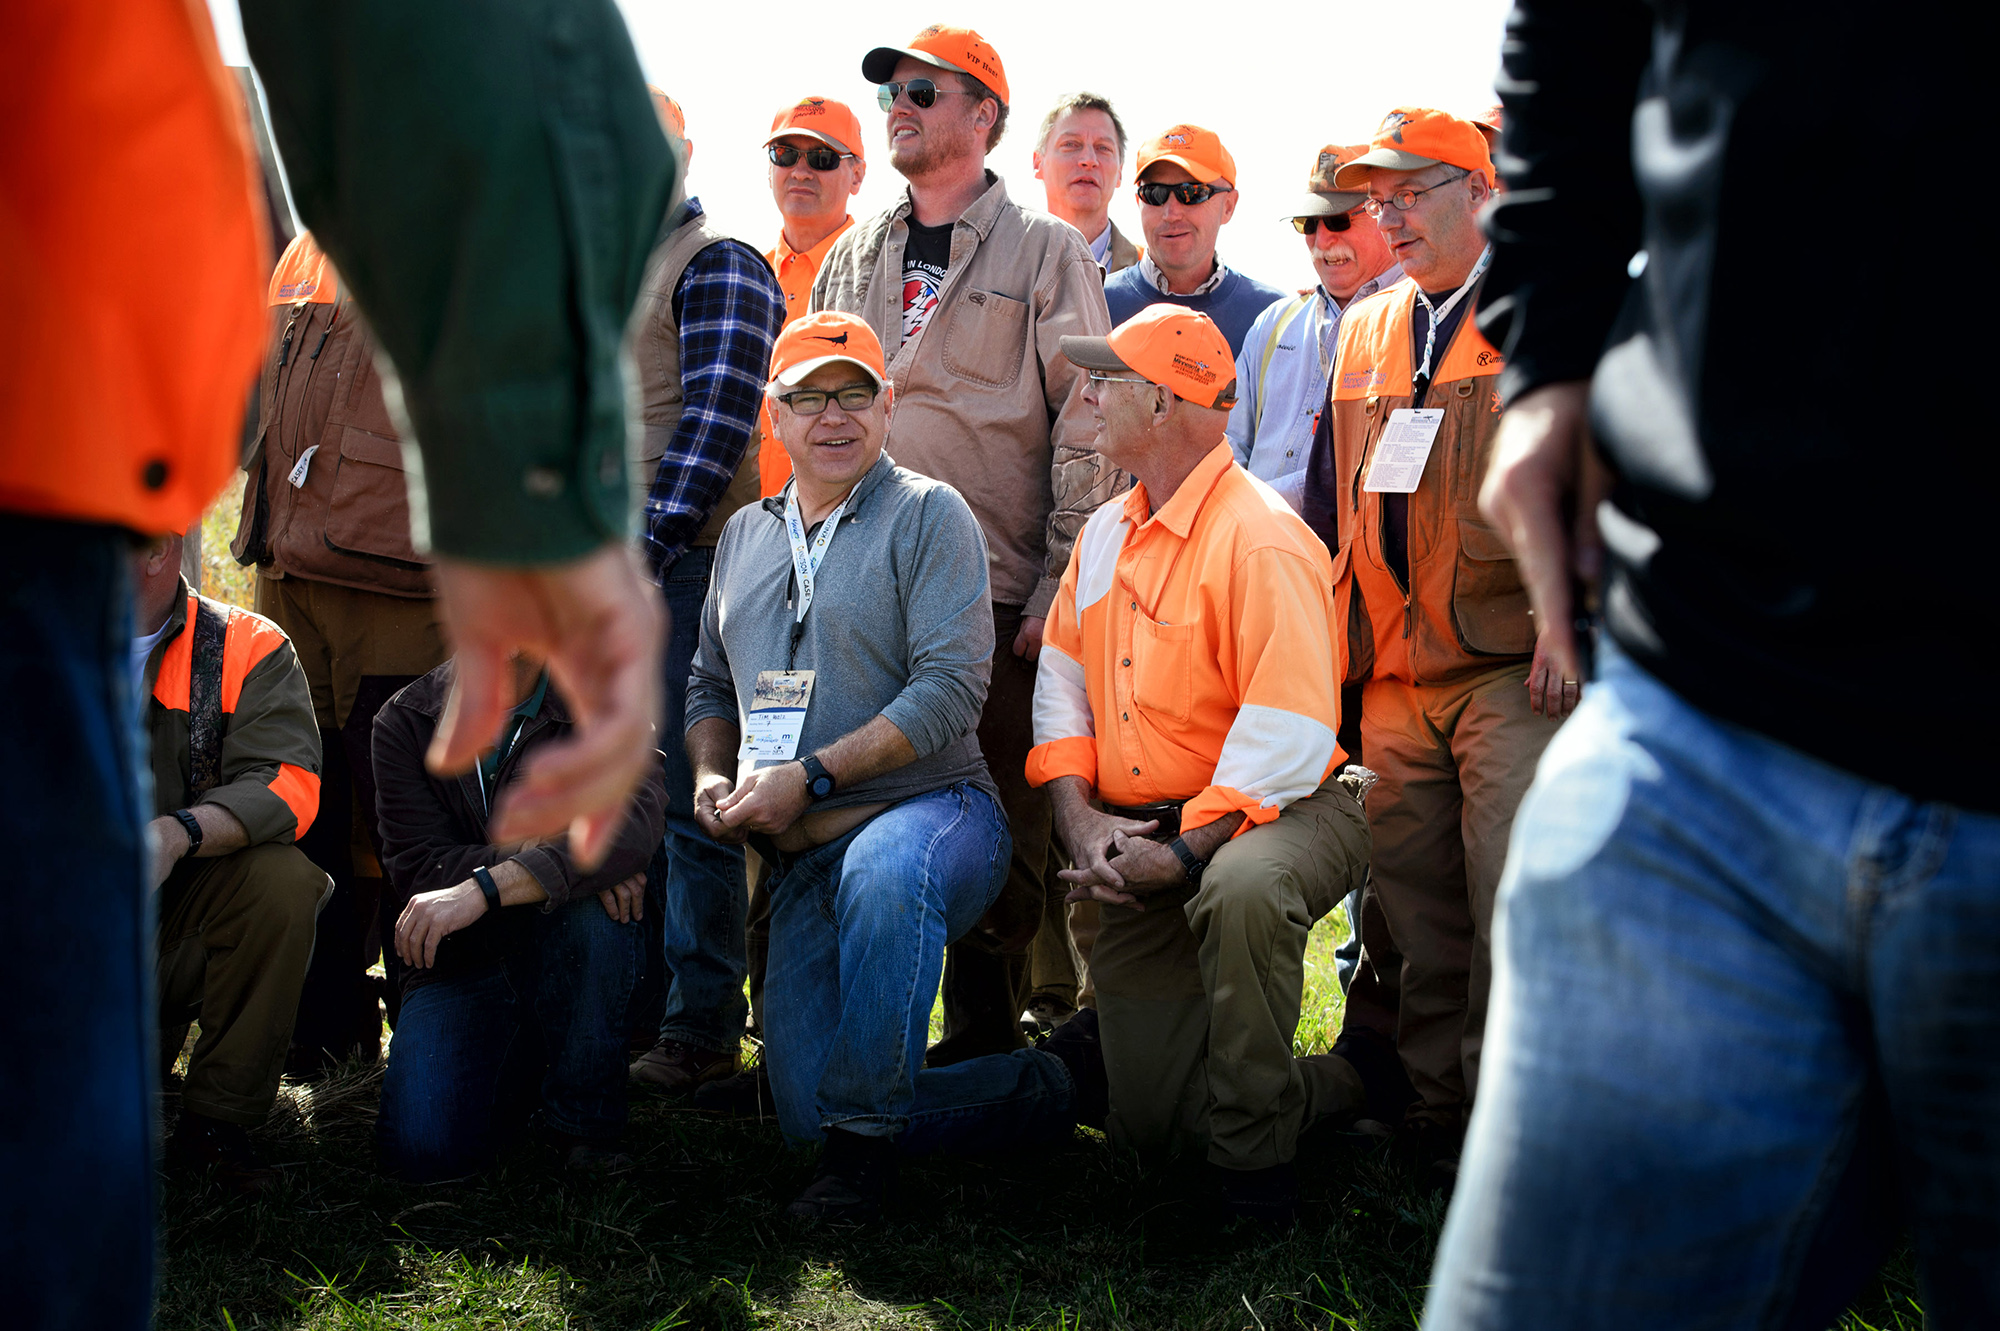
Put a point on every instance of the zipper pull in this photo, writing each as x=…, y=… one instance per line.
x=1409, y=618
x=321, y=344
x=285, y=347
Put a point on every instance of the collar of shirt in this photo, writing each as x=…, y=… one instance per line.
x=783, y=255
x=1151, y=272
x=1178, y=513
x=1388, y=277
x=1100, y=249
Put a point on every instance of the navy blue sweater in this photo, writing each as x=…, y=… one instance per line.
x=1234, y=305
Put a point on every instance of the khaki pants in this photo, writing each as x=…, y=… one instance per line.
x=1198, y=995
x=1454, y=762
x=236, y=932
x=343, y=634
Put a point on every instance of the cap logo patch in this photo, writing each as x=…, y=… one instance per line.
x=932, y=31
x=811, y=106
x=1178, y=140
x=1196, y=370
x=1392, y=125
x=840, y=341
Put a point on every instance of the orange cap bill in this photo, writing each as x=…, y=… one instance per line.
x=822, y=338
x=1195, y=150
x=832, y=123
x=961, y=49
x=1411, y=138
x=1168, y=344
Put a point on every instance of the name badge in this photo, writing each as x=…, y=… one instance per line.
x=777, y=716
x=1403, y=449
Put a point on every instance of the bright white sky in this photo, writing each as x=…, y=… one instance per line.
x=1275, y=80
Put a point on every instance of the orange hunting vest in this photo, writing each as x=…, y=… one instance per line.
x=1465, y=611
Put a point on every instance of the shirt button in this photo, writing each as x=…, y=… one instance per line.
x=1135, y=771
x=1127, y=716
x=1128, y=660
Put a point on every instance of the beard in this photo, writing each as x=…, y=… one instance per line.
x=937, y=146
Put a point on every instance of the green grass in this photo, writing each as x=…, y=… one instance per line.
x=1061, y=1239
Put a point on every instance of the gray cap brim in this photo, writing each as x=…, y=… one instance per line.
x=879, y=65
x=1093, y=353
x=1389, y=159
x=1315, y=204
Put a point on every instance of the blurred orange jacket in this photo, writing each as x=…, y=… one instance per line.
x=132, y=263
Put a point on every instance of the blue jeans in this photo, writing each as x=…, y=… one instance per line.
x=705, y=899
x=1742, y=1000
x=474, y=1057
x=858, y=932
x=76, y=1102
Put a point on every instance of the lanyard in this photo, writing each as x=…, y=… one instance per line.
x=806, y=562
x=488, y=767
x=1439, y=312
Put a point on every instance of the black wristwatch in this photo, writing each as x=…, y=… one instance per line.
x=1189, y=863
x=819, y=781
x=193, y=826
x=489, y=889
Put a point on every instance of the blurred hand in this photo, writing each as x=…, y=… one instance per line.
x=598, y=623
x=1542, y=492
x=1028, y=642
x=626, y=901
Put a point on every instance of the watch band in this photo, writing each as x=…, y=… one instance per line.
x=193, y=826
x=1192, y=866
x=487, y=887
x=819, y=781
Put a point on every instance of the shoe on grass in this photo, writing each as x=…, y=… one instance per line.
x=854, y=1179
x=1075, y=1042
x=747, y=1094
x=1267, y=1196
x=675, y=1069
x=1046, y=1012
x=223, y=1150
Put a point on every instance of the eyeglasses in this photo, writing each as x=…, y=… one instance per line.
x=1189, y=192
x=1405, y=199
x=818, y=158
x=922, y=91
x=1097, y=378
x=812, y=401
x=1305, y=226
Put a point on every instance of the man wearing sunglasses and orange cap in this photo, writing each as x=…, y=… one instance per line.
x=1435, y=618
x=817, y=164
x=1187, y=191
x=970, y=295
x=1185, y=723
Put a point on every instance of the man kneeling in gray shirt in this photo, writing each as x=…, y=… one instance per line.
x=843, y=662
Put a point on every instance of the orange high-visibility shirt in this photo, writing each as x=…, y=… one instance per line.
x=1189, y=653
x=797, y=270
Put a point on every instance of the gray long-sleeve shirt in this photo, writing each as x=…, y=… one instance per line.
x=901, y=626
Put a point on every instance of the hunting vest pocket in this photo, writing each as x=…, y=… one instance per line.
x=368, y=515
x=1489, y=604
x=986, y=335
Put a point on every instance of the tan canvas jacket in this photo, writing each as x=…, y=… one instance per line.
x=985, y=400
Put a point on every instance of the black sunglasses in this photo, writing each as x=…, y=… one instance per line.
x=1189, y=192
x=922, y=91
x=1332, y=222
x=819, y=159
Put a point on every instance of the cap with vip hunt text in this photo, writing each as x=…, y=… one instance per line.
x=820, y=339
x=1411, y=138
x=822, y=118
x=1195, y=150
x=960, y=49
x=1171, y=345
x=1322, y=198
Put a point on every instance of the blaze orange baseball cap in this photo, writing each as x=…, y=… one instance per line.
x=1195, y=150
x=820, y=339
x=1168, y=344
x=670, y=111
x=1488, y=122
x=959, y=49
x=1322, y=199
x=1411, y=138
x=822, y=118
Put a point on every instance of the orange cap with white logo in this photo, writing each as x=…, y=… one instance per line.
x=822, y=118
x=1411, y=138
x=1195, y=150
x=820, y=339
x=959, y=49
x=1171, y=345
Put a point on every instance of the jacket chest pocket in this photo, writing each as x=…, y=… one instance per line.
x=1162, y=668
x=984, y=338
x=1471, y=422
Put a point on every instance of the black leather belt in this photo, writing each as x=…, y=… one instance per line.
x=1167, y=812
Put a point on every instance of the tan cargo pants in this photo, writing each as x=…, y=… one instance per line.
x=1198, y=995
x=1454, y=762
x=235, y=934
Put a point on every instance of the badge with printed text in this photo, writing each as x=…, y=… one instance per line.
x=777, y=715
x=1403, y=449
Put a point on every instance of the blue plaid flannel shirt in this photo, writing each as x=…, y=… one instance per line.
x=729, y=309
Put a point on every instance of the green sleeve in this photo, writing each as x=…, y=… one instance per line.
x=489, y=176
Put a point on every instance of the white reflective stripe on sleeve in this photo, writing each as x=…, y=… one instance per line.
x=1062, y=703
x=1097, y=547
x=1273, y=755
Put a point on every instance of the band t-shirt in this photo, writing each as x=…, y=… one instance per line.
x=925, y=258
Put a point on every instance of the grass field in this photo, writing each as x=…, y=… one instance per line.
x=1061, y=1239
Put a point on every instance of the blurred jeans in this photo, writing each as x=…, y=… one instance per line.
x=476, y=1056
x=77, y=1083
x=704, y=900
x=858, y=932
x=1746, y=1019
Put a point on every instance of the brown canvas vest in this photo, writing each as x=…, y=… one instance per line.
x=346, y=520
x=1465, y=611
x=656, y=349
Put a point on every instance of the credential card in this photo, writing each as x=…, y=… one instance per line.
x=1403, y=449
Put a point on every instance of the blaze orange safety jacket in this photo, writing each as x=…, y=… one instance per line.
x=1464, y=611
x=231, y=720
